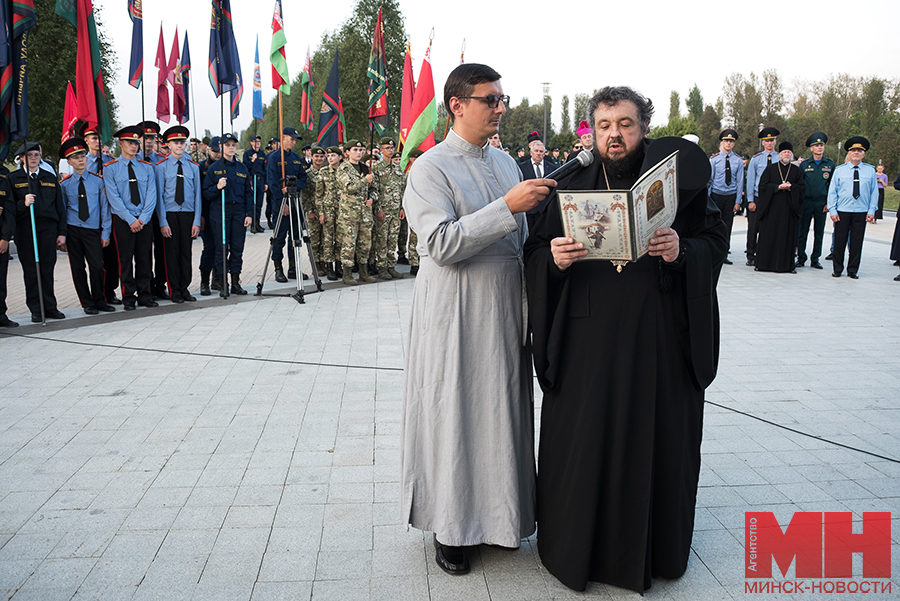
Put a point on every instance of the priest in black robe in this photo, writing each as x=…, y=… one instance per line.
x=623, y=359
x=781, y=189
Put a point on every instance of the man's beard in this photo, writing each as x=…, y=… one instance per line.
x=630, y=162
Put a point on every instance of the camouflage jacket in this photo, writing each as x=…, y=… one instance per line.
x=328, y=197
x=309, y=193
x=353, y=187
x=389, y=183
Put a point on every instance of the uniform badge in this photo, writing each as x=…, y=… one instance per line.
x=825, y=175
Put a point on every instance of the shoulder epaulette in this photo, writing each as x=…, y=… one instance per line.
x=65, y=177
x=162, y=161
x=192, y=161
x=145, y=162
x=715, y=155
x=97, y=174
x=110, y=162
x=757, y=154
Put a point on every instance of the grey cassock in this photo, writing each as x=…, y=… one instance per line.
x=467, y=434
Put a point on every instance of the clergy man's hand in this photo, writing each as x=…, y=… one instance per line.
x=526, y=195
x=665, y=244
x=566, y=251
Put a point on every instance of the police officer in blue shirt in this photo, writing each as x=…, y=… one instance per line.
x=89, y=226
x=150, y=154
x=758, y=164
x=726, y=180
x=817, y=172
x=852, y=202
x=232, y=177
x=293, y=165
x=178, y=209
x=255, y=160
x=131, y=191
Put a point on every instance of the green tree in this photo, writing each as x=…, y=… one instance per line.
x=581, y=104
x=772, y=95
x=52, y=50
x=874, y=106
x=566, y=125
x=709, y=126
x=674, y=106
x=887, y=146
x=695, y=104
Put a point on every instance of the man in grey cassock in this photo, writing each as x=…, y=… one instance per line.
x=467, y=435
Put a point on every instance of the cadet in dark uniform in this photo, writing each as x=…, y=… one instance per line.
x=234, y=178
x=255, y=160
x=178, y=210
x=33, y=185
x=270, y=210
x=293, y=165
x=131, y=191
x=89, y=230
x=158, y=281
x=7, y=229
x=817, y=171
x=758, y=164
x=208, y=254
x=726, y=180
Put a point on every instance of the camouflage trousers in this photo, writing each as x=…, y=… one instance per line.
x=316, y=230
x=331, y=248
x=354, y=229
x=411, y=253
x=402, y=236
x=386, y=233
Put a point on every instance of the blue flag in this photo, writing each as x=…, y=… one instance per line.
x=329, y=116
x=237, y=92
x=136, y=65
x=257, y=86
x=223, y=65
x=185, y=79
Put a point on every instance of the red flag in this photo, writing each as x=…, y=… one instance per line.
x=70, y=114
x=84, y=77
x=162, y=92
x=406, y=99
x=342, y=123
x=176, y=79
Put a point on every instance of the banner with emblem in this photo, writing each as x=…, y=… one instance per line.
x=136, y=64
x=15, y=19
x=278, y=58
x=330, y=114
x=257, y=86
x=379, y=119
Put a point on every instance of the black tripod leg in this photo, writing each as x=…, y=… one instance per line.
x=297, y=242
x=304, y=226
x=262, y=280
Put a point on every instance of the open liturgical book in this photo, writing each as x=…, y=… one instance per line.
x=617, y=225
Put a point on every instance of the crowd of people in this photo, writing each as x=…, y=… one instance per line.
x=128, y=223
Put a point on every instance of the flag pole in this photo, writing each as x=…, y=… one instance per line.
x=191, y=84
x=224, y=291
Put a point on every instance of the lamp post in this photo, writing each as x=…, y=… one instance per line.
x=546, y=86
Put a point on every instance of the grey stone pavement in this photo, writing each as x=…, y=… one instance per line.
x=248, y=449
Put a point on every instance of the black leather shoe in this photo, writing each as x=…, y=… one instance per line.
x=794, y=271
x=751, y=262
x=799, y=263
x=35, y=318
x=106, y=308
x=452, y=560
x=55, y=314
x=830, y=257
x=728, y=262
x=162, y=293
x=178, y=301
x=149, y=303
x=6, y=322
x=130, y=307
x=402, y=260
x=91, y=311
x=853, y=276
x=815, y=265
x=188, y=296
x=112, y=300
x=414, y=270
x=835, y=275
x=896, y=279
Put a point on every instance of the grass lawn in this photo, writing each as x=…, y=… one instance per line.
x=891, y=198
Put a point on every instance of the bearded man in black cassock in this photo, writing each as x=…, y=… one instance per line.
x=781, y=189
x=623, y=359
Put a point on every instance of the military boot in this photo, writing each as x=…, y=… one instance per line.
x=214, y=283
x=236, y=284
x=330, y=274
x=414, y=270
x=204, y=283
x=348, y=278
x=364, y=275
x=292, y=268
x=394, y=273
x=383, y=274
x=320, y=267
x=338, y=269
x=223, y=285
x=279, y=273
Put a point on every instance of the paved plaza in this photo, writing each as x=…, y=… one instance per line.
x=248, y=448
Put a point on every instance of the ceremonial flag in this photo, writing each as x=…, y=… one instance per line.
x=223, y=66
x=423, y=114
x=185, y=80
x=136, y=66
x=257, y=86
x=378, y=95
x=342, y=123
x=70, y=114
x=162, y=92
x=89, y=87
x=306, y=84
x=177, y=81
x=16, y=19
x=331, y=112
x=406, y=98
x=280, y=77
x=237, y=92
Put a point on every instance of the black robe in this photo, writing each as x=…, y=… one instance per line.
x=778, y=212
x=623, y=359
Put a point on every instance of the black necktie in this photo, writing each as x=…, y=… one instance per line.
x=769, y=160
x=83, y=211
x=537, y=170
x=856, y=182
x=34, y=176
x=133, y=184
x=727, y=171
x=179, y=186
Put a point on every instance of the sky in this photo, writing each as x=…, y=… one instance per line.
x=653, y=46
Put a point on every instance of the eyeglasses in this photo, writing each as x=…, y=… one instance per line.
x=492, y=100
x=576, y=148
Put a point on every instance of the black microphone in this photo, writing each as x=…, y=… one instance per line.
x=581, y=160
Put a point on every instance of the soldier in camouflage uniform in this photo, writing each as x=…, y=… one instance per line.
x=412, y=253
x=368, y=259
x=328, y=202
x=309, y=200
x=389, y=181
x=354, y=224
x=196, y=154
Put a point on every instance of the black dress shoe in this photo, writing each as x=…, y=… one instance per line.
x=452, y=560
x=105, y=307
x=794, y=271
x=91, y=311
x=402, y=260
x=728, y=262
x=414, y=270
x=130, y=306
x=188, y=296
x=751, y=262
x=161, y=293
x=6, y=322
x=178, y=301
x=799, y=263
x=835, y=275
x=149, y=303
x=55, y=314
x=112, y=300
x=815, y=265
x=896, y=279
x=35, y=318
x=853, y=276
x=830, y=257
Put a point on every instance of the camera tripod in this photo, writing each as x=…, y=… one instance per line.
x=291, y=199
